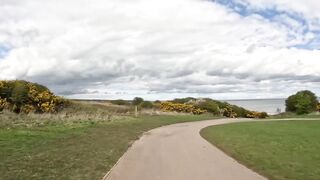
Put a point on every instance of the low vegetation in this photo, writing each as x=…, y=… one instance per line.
x=207, y=105
x=39, y=147
x=177, y=107
x=280, y=150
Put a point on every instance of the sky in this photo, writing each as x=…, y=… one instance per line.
x=163, y=49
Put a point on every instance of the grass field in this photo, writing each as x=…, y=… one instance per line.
x=80, y=149
x=289, y=115
x=282, y=150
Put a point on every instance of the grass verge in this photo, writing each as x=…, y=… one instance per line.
x=77, y=150
x=279, y=150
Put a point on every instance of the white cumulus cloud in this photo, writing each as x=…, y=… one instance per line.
x=156, y=49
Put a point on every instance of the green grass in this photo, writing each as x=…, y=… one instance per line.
x=77, y=150
x=279, y=150
x=287, y=115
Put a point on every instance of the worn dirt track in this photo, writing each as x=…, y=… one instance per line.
x=178, y=152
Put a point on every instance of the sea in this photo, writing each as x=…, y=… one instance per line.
x=270, y=106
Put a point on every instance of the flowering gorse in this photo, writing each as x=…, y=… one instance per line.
x=23, y=96
x=177, y=107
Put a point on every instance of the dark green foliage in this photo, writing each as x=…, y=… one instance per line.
x=146, y=105
x=263, y=115
x=5, y=90
x=219, y=103
x=210, y=107
x=240, y=111
x=303, y=102
x=137, y=101
x=19, y=95
x=119, y=102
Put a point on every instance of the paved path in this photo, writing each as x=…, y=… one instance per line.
x=178, y=152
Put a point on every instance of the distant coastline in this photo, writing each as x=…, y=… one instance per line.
x=271, y=106
x=253, y=99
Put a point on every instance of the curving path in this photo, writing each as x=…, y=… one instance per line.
x=178, y=152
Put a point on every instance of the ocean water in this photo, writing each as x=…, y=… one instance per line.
x=263, y=105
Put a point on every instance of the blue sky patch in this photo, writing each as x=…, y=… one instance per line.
x=295, y=22
x=4, y=50
x=312, y=44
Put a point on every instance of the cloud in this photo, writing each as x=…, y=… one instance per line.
x=158, y=49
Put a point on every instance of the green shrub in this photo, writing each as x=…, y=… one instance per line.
x=240, y=111
x=146, y=105
x=119, y=102
x=303, y=102
x=19, y=95
x=23, y=96
x=254, y=114
x=221, y=104
x=209, y=106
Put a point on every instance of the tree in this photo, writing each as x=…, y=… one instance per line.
x=137, y=101
x=303, y=102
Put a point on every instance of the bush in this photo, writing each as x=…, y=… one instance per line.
x=177, y=107
x=303, y=102
x=23, y=96
x=3, y=104
x=263, y=115
x=221, y=104
x=119, y=102
x=228, y=112
x=146, y=105
x=318, y=107
x=241, y=112
x=259, y=115
x=19, y=95
x=209, y=106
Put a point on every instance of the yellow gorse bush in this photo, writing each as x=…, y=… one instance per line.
x=23, y=96
x=225, y=109
x=3, y=104
x=228, y=112
x=177, y=107
x=255, y=114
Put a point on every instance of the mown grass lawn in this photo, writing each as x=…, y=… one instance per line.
x=279, y=150
x=84, y=150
